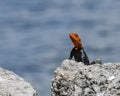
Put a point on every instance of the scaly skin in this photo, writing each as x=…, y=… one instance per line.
x=78, y=51
x=76, y=40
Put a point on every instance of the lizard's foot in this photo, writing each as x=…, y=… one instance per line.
x=97, y=61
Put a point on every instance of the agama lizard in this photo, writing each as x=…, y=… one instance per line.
x=78, y=51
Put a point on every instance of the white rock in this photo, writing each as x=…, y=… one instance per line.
x=13, y=85
x=77, y=79
x=111, y=78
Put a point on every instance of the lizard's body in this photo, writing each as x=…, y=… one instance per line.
x=78, y=51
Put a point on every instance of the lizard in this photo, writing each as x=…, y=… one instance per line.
x=78, y=51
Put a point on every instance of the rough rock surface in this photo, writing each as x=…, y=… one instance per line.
x=77, y=79
x=13, y=85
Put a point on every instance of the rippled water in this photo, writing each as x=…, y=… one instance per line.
x=34, y=35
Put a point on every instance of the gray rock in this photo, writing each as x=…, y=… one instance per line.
x=13, y=85
x=77, y=79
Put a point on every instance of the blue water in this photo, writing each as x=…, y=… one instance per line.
x=34, y=35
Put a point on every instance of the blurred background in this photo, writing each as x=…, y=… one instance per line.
x=34, y=35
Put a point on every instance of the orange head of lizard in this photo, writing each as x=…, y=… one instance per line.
x=76, y=40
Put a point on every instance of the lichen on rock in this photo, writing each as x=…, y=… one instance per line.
x=77, y=79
